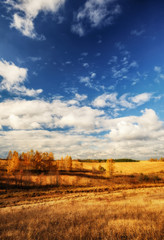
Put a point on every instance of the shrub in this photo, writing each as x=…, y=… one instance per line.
x=100, y=168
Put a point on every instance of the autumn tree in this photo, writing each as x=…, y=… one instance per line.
x=68, y=162
x=61, y=164
x=38, y=161
x=51, y=156
x=26, y=159
x=10, y=155
x=13, y=162
x=48, y=159
x=109, y=167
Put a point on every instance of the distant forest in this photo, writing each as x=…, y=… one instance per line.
x=104, y=160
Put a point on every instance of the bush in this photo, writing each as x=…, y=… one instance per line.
x=156, y=178
x=143, y=178
x=100, y=168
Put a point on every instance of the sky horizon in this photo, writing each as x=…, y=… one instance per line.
x=83, y=78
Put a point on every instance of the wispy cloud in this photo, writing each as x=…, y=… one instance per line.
x=137, y=33
x=95, y=14
x=157, y=69
x=141, y=98
x=13, y=79
x=86, y=65
x=159, y=74
x=27, y=11
x=34, y=59
x=89, y=81
x=84, y=54
x=122, y=66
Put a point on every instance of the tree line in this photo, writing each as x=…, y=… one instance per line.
x=45, y=162
x=35, y=160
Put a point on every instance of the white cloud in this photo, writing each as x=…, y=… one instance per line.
x=105, y=100
x=86, y=65
x=86, y=80
x=24, y=25
x=144, y=127
x=119, y=104
x=23, y=114
x=97, y=14
x=11, y=74
x=93, y=75
x=13, y=78
x=80, y=97
x=91, y=82
x=123, y=67
x=35, y=59
x=133, y=64
x=157, y=69
x=120, y=46
x=29, y=11
x=68, y=62
x=139, y=137
x=113, y=60
x=141, y=98
x=124, y=102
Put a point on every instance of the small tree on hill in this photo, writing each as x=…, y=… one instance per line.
x=109, y=167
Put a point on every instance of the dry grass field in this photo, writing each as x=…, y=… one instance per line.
x=84, y=203
x=145, y=167
x=128, y=214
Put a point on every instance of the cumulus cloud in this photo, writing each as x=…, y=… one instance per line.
x=23, y=114
x=95, y=14
x=144, y=127
x=139, y=137
x=27, y=11
x=13, y=78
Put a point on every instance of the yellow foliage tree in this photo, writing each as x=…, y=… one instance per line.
x=51, y=156
x=61, y=164
x=38, y=160
x=68, y=162
x=27, y=159
x=10, y=155
x=109, y=167
x=13, y=163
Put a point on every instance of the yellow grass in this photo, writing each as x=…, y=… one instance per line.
x=145, y=167
x=131, y=214
x=91, y=207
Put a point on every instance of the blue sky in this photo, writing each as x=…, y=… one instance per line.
x=83, y=78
